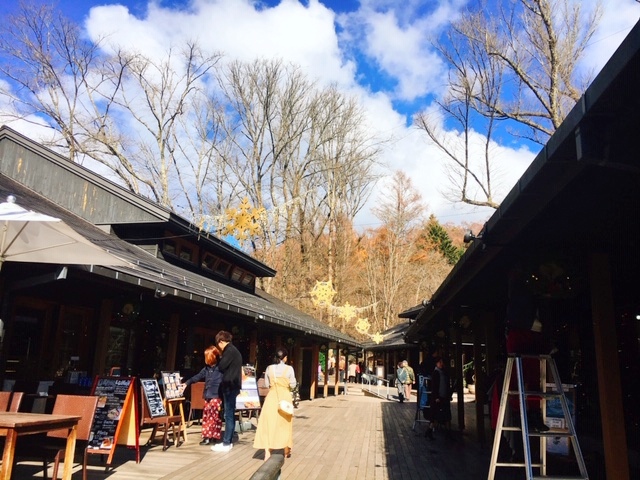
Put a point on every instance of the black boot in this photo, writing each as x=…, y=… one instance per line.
x=206, y=441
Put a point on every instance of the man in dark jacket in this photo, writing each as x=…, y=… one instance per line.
x=230, y=365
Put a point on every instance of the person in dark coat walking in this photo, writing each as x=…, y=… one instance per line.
x=440, y=400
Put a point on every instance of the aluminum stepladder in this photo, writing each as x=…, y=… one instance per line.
x=557, y=392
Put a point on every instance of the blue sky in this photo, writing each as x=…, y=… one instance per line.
x=377, y=50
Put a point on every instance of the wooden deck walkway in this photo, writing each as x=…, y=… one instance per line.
x=353, y=437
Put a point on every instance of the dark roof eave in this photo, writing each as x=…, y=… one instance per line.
x=534, y=190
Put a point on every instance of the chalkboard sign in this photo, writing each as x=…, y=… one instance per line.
x=172, y=383
x=153, y=397
x=113, y=396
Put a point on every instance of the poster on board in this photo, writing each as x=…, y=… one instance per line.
x=114, y=398
x=172, y=382
x=248, y=398
x=153, y=397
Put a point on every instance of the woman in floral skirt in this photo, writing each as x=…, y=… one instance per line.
x=212, y=377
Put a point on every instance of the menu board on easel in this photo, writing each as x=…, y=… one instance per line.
x=172, y=383
x=248, y=398
x=153, y=397
x=115, y=415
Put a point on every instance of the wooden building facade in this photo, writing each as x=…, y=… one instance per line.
x=572, y=224
x=182, y=285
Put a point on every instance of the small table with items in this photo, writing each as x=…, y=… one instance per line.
x=13, y=425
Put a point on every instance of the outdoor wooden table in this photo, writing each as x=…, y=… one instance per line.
x=13, y=425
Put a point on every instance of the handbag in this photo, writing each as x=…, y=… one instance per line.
x=284, y=406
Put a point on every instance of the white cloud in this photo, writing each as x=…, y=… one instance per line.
x=304, y=35
x=397, y=38
x=29, y=125
x=619, y=17
x=402, y=54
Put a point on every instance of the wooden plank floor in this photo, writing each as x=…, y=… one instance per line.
x=339, y=437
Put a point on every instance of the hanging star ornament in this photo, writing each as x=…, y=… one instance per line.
x=243, y=222
x=347, y=312
x=377, y=337
x=363, y=325
x=322, y=294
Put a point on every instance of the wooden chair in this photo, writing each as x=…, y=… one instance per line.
x=52, y=446
x=197, y=400
x=263, y=390
x=84, y=406
x=10, y=401
x=16, y=401
x=5, y=398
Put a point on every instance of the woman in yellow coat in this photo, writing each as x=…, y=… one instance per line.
x=275, y=428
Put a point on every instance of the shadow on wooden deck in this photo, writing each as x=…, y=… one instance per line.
x=345, y=437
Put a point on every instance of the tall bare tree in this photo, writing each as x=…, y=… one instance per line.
x=469, y=166
x=515, y=61
x=540, y=43
x=155, y=95
x=116, y=107
x=299, y=151
x=48, y=67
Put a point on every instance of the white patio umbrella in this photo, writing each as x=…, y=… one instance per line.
x=27, y=236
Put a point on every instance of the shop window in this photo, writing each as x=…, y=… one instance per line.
x=186, y=254
x=223, y=267
x=183, y=250
x=209, y=262
x=247, y=280
x=236, y=274
x=169, y=246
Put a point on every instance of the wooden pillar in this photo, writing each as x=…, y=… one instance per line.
x=336, y=377
x=253, y=347
x=325, y=389
x=459, y=391
x=102, y=337
x=479, y=385
x=608, y=368
x=172, y=347
x=315, y=360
